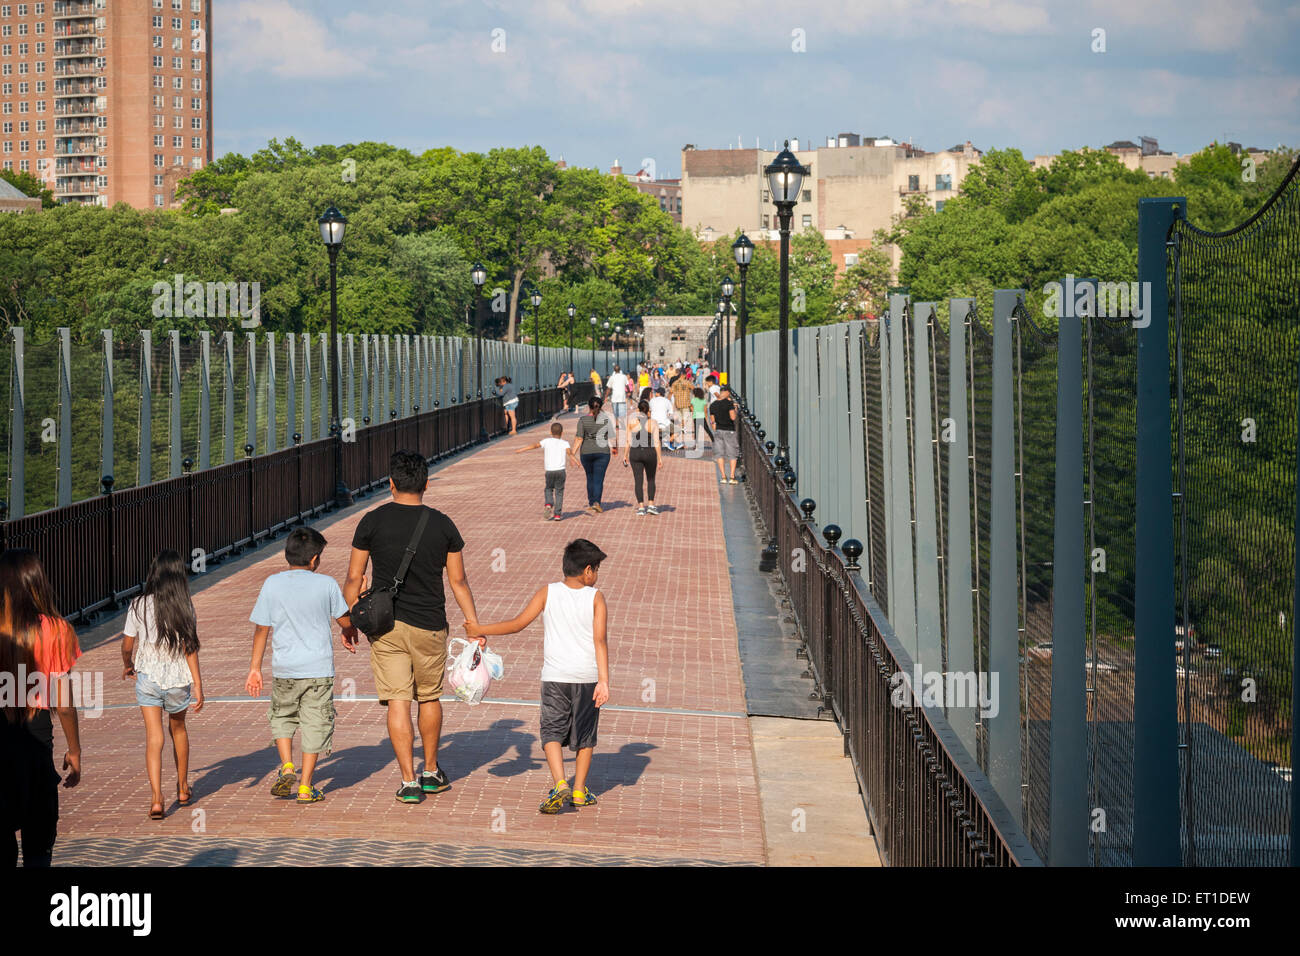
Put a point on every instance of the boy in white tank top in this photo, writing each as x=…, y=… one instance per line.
x=575, y=668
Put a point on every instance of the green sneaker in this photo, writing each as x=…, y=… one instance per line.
x=286, y=783
x=435, y=782
x=554, y=801
x=308, y=794
x=410, y=794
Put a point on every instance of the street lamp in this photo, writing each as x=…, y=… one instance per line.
x=594, y=322
x=605, y=326
x=743, y=250
x=332, y=226
x=724, y=313
x=536, y=299
x=572, y=312
x=479, y=275
x=785, y=179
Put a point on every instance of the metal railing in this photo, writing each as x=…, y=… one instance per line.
x=929, y=803
x=97, y=552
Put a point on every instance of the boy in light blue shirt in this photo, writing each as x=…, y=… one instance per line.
x=294, y=609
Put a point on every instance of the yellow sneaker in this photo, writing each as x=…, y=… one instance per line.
x=583, y=798
x=285, y=783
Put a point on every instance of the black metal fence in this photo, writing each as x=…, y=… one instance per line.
x=97, y=552
x=929, y=803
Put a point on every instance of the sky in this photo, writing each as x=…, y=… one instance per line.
x=597, y=80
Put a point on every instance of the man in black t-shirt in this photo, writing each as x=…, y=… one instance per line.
x=722, y=419
x=409, y=661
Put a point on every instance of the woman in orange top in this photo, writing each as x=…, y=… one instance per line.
x=37, y=651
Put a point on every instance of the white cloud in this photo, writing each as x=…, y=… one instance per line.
x=275, y=36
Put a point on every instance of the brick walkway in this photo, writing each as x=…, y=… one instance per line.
x=674, y=766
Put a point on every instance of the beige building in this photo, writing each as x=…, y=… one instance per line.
x=1145, y=155
x=856, y=186
x=676, y=338
x=106, y=101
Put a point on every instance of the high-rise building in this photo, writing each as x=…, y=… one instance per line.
x=107, y=101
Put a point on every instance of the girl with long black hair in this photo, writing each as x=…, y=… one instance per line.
x=160, y=649
x=37, y=651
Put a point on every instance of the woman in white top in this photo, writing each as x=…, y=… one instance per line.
x=160, y=649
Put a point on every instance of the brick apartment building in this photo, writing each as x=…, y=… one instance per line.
x=107, y=101
x=668, y=192
x=856, y=186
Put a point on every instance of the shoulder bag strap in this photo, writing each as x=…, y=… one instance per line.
x=410, y=551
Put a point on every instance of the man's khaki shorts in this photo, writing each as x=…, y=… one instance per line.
x=409, y=663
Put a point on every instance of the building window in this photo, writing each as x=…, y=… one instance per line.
x=157, y=121
x=913, y=184
x=157, y=141
x=157, y=82
x=938, y=205
x=157, y=43
x=178, y=122
x=178, y=102
x=196, y=142
x=157, y=179
x=850, y=259
x=176, y=24
x=157, y=21
x=196, y=65
x=158, y=199
x=157, y=63
x=178, y=160
x=178, y=142
x=807, y=195
x=766, y=224
x=158, y=101
x=178, y=63
x=196, y=122
x=196, y=84
x=942, y=182
x=807, y=221
x=158, y=160
x=178, y=82
x=196, y=6
x=679, y=205
x=196, y=104
x=177, y=43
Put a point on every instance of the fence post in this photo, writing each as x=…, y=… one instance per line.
x=63, y=481
x=271, y=439
x=17, y=428
x=174, y=437
x=887, y=462
x=352, y=379
x=929, y=631
x=205, y=400
x=291, y=412
x=144, y=468
x=1068, y=814
x=902, y=593
x=1157, y=819
x=961, y=608
x=106, y=406
x=228, y=394
x=326, y=374
x=1004, y=602
x=250, y=390
x=306, y=387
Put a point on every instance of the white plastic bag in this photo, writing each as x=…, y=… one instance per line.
x=496, y=667
x=469, y=673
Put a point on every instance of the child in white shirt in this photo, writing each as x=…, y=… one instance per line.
x=555, y=455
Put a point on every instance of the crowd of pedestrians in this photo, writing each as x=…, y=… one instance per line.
x=403, y=548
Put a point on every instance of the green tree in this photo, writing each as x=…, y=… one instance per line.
x=30, y=185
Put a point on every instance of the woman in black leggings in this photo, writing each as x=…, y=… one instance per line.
x=645, y=455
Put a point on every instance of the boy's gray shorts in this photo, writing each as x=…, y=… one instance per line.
x=569, y=715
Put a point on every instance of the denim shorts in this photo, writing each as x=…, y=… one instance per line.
x=511, y=405
x=148, y=694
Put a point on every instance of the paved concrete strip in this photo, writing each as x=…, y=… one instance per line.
x=812, y=812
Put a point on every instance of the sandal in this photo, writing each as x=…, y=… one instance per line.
x=184, y=801
x=156, y=814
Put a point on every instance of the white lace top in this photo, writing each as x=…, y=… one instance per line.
x=163, y=668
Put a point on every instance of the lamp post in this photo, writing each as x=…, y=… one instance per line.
x=536, y=299
x=608, y=344
x=479, y=275
x=332, y=226
x=743, y=250
x=785, y=178
x=724, y=309
x=573, y=310
x=594, y=322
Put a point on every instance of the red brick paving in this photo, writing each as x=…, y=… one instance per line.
x=672, y=784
